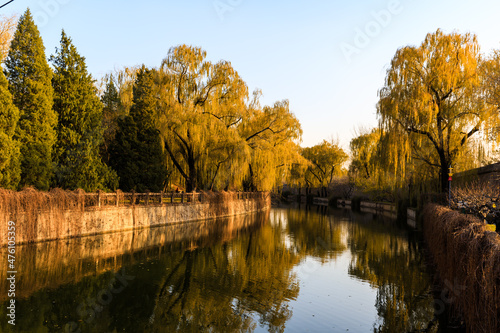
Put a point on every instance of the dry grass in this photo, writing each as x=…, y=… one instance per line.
x=24, y=208
x=220, y=202
x=467, y=255
x=481, y=199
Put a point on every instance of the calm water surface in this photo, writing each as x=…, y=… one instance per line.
x=290, y=270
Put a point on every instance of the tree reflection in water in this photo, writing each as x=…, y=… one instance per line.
x=235, y=275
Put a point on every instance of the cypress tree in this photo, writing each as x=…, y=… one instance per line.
x=137, y=154
x=79, y=131
x=111, y=102
x=29, y=77
x=10, y=168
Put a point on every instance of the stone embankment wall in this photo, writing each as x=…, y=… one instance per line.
x=41, y=217
x=56, y=263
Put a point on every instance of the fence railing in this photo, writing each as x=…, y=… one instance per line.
x=119, y=198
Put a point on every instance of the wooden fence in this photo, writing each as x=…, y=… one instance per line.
x=119, y=198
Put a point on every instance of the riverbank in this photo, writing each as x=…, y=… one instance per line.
x=56, y=263
x=42, y=216
x=467, y=256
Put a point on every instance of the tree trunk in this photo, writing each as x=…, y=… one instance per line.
x=444, y=172
x=192, y=181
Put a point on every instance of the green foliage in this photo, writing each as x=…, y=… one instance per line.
x=110, y=114
x=29, y=78
x=137, y=153
x=10, y=169
x=79, y=134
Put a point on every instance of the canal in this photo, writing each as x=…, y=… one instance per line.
x=288, y=270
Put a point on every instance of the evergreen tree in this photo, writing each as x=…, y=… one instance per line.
x=79, y=131
x=137, y=153
x=110, y=114
x=10, y=169
x=29, y=77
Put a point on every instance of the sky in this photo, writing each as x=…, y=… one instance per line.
x=327, y=57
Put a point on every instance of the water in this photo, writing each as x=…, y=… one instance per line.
x=288, y=270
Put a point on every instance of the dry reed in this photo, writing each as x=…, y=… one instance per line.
x=468, y=257
x=28, y=207
x=24, y=208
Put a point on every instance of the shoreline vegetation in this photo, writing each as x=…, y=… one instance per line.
x=467, y=256
x=60, y=214
x=192, y=124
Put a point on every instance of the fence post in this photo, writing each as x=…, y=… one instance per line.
x=161, y=197
x=117, y=193
x=81, y=199
x=133, y=198
x=147, y=198
x=172, y=197
x=98, y=198
x=182, y=197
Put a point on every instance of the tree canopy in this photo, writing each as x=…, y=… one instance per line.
x=7, y=29
x=136, y=153
x=433, y=101
x=10, y=169
x=29, y=77
x=79, y=133
x=326, y=160
x=209, y=123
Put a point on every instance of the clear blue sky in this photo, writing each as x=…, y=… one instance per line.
x=309, y=52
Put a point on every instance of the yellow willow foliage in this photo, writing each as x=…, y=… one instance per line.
x=490, y=70
x=364, y=153
x=200, y=107
x=433, y=101
x=7, y=27
x=272, y=133
x=225, y=162
x=123, y=79
x=368, y=168
x=326, y=160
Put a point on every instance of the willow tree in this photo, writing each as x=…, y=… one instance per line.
x=7, y=28
x=326, y=160
x=116, y=91
x=364, y=153
x=432, y=101
x=491, y=73
x=272, y=133
x=201, y=105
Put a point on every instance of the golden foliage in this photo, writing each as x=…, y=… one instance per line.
x=434, y=103
x=8, y=26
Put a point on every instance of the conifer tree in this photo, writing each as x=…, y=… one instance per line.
x=10, y=169
x=29, y=77
x=110, y=115
x=137, y=153
x=79, y=131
